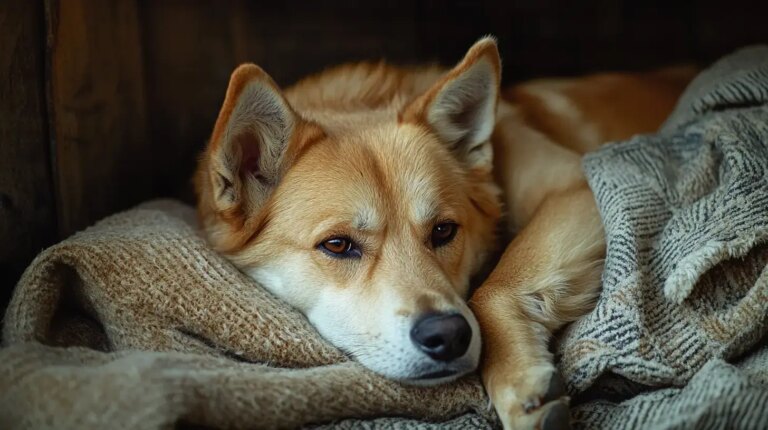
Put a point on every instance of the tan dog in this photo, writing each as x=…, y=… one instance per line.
x=367, y=197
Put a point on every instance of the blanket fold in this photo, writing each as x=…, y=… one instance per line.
x=180, y=335
x=82, y=388
x=136, y=323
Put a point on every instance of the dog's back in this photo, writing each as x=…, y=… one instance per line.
x=583, y=113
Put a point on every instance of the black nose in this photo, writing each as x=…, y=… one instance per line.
x=443, y=337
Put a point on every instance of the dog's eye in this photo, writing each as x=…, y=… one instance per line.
x=340, y=247
x=443, y=233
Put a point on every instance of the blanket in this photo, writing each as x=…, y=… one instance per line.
x=136, y=323
x=685, y=285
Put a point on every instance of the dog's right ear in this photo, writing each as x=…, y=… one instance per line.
x=461, y=107
x=249, y=148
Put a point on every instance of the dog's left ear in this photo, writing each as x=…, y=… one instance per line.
x=256, y=137
x=461, y=107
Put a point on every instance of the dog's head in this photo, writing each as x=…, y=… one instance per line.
x=371, y=227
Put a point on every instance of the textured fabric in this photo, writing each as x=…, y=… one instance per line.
x=685, y=286
x=184, y=337
x=466, y=421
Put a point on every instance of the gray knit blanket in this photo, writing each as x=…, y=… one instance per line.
x=678, y=337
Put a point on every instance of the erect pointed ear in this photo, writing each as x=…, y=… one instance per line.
x=249, y=148
x=461, y=107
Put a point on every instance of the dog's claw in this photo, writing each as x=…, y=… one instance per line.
x=531, y=405
x=555, y=390
x=538, y=402
x=556, y=418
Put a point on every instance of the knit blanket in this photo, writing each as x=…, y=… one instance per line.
x=674, y=341
x=137, y=323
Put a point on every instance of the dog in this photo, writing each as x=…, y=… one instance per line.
x=368, y=196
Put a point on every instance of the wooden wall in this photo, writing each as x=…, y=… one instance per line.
x=104, y=104
x=27, y=209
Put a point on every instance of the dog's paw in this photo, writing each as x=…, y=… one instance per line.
x=538, y=402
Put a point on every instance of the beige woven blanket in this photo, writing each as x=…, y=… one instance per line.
x=224, y=352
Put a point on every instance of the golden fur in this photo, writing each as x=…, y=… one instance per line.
x=380, y=155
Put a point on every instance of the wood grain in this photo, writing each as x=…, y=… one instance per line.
x=187, y=70
x=99, y=125
x=27, y=209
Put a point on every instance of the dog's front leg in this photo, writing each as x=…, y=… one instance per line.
x=549, y=275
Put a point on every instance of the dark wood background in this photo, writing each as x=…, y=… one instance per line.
x=104, y=104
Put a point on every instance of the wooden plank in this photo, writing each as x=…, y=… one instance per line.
x=27, y=209
x=187, y=69
x=292, y=39
x=99, y=126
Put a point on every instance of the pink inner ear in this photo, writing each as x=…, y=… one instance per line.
x=249, y=154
